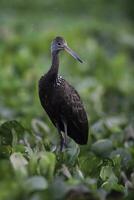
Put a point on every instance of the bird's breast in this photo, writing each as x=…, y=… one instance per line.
x=49, y=92
x=58, y=82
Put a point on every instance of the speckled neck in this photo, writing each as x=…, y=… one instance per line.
x=55, y=63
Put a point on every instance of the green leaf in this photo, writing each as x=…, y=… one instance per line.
x=46, y=164
x=10, y=132
x=90, y=164
x=19, y=163
x=71, y=153
x=35, y=183
x=113, y=123
x=5, y=151
x=109, y=185
x=40, y=127
x=58, y=188
x=125, y=156
x=102, y=147
x=106, y=172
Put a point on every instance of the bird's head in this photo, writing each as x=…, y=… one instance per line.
x=59, y=44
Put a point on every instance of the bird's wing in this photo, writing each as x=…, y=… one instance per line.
x=73, y=113
x=72, y=105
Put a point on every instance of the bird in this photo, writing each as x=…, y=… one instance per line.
x=61, y=101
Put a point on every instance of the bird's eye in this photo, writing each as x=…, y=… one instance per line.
x=59, y=43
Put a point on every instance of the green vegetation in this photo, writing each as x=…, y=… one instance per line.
x=102, y=34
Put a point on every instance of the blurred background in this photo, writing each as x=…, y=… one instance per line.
x=101, y=32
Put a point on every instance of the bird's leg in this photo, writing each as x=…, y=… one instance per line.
x=61, y=142
x=65, y=133
x=61, y=139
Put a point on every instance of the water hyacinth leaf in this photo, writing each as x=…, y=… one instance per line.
x=72, y=152
x=110, y=179
x=39, y=127
x=117, y=164
x=19, y=163
x=98, y=129
x=6, y=170
x=112, y=184
x=66, y=171
x=33, y=162
x=106, y=172
x=92, y=183
x=10, y=132
x=46, y=164
x=125, y=156
x=117, y=138
x=19, y=148
x=5, y=151
x=87, y=163
x=102, y=147
x=109, y=185
x=59, y=188
x=36, y=183
x=114, y=123
x=78, y=173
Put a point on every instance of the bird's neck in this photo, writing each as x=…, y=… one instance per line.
x=55, y=64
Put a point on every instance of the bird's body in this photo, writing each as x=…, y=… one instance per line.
x=63, y=104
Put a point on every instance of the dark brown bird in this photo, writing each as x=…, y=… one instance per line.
x=61, y=101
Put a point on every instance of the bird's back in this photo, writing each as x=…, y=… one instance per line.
x=62, y=103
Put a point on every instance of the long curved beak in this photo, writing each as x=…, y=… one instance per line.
x=72, y=53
